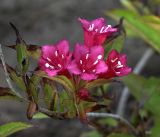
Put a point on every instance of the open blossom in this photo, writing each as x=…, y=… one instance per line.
x=117, y=65
x=55, y=58
x=96, y=31
x=88, y=62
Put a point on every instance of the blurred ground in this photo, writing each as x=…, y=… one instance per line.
x=48, y=21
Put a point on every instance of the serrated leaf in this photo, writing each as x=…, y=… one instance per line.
x=140, y=27
x=10, y=128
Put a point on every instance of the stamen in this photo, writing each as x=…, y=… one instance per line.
x=113, y=60
x=47, y=65
x=81, y=62
x=84, y=70
x=102, y=30
x=49, y=59
x=95, y=62
x=118, y=72
x=52, y=67
x=108, y=27
x=56, y=53
x=99, y=57
x=94, y=70
x=59, y=65
x=96, y=30
x=87, y=56
x=62, y=56
x=91, y=27
x=119, y=63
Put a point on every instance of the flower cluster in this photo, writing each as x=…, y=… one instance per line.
x=87, y=60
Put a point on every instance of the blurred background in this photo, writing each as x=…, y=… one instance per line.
x=48, y=21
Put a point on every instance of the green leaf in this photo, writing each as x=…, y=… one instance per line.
x=49, y=95
x=6, y=93
x=136, y=85
x=156, y=128
x=40, y=116
x=109, y=122
x=17, y=79
x=129, y=5
x=145, y=91
x=33, y=86
x=116, y=44
x=140, y=27
x=34, y=51
x=67, y=104
x=152, y=87
x=120, y=135
x=97, y=83
x=63, y=80
x=22, y=57
x=10, y=128
x=91, y=134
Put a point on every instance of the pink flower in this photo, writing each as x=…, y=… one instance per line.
x=55, y=58
x=116, y=65
x=88, y=62
x=96, y=31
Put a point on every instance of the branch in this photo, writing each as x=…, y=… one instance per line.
x=114, y=116
x=52, y=114
x=138, y=68
x=7, y=75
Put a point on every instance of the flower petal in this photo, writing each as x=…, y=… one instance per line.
x=113, y=54
x=47, y=51
x=98, y=23
x=97, y=51
x=63, y=47
x=87, y=76
x=101, y=67
x=85, y=23
x=124, y=71
x=80, y=51
x=73, y=68
x=51, y=73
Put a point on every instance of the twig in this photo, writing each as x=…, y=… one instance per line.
x=52, y=114
x=114, y=116
x=7, y=75
x=138, y=68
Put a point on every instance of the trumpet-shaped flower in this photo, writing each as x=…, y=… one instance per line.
x=88, y=62
x=117, y=65
x=96, y=31
x=55, y=58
